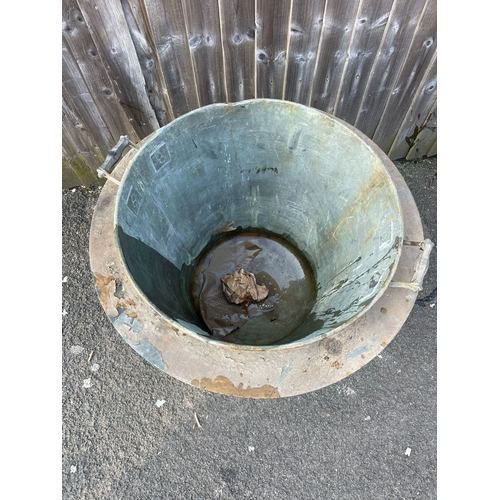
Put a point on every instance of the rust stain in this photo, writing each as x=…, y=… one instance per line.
x=107, y=288
x=223, y=385
x=383, y=344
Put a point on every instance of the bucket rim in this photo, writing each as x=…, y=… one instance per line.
x=191, y=330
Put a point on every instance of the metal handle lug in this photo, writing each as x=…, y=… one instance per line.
x=113, y=157
x=420, y=268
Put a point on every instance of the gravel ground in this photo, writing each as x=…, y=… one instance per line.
x=129, y=430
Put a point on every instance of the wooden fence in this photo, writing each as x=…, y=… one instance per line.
x=131, y=66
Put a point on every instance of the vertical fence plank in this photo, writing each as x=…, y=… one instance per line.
x=339, y=24
x=83, y=139
x=420, y=55
x=69, y=177
x=117, y=52
x=418, y=114
x=140, y=32
x=238, y=35
x=305, y=30
x=368, y=33
x=81, y=153
x=76, y=91
x=205, y=44
x=166, y=20
x=397, y=39
x=75, y=169
x=272, y=20
x=87, y=84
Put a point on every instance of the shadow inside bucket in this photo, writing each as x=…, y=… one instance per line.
x=161, y=281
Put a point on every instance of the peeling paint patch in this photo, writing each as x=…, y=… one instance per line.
x=106, y=286
x=359, y=350
x=223, y=385
x=150, y=353
x=129, y=320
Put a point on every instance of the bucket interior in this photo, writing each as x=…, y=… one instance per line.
x=285, y=168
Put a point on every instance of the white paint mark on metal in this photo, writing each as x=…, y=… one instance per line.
x=76, y=349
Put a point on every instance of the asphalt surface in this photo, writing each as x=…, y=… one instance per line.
x=129, y=430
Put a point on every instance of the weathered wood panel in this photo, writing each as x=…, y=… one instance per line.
x=369, y=29
x=415, y=68
x=131, y=66
x=110, y=33
x=204, y=35
x=272, y=20
x=72, y=163
x=87, y=83
x=69, y=177
x=238, y=35
x=84, y=142
x=137, y=22
x=76, y=93
x=80, y=152
x=419, y=113
x=426, y=137
x=166, y=21
x=401, y=25
x=305, y=31
x=338, y=31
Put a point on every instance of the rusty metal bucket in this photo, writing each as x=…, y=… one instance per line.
x=282, y=167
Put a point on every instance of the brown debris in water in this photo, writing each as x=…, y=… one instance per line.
x=241, y=288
